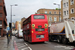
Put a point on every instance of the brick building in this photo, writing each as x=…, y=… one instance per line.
x=68, y=9
x=17, y=25
x=22, y=21
x=3, y=20
x=52, y=15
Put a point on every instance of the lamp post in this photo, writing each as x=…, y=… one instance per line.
x=11, y=17
x=59, y=9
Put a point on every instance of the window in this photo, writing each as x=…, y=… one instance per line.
x=64, y=12
x=72, y=18
x=54, y=12
x=64, y=4
x=72, y=2
x=50, y=12
x=72, y=10
x=45, y=12
x=50, y=18
x=39, y=17
x=0, y=1
x=55, y=19
x=59, y=18
x=0, y=21
x=0, y=14
x=67, y=3
x=67, y=12
x=60, y=12
x=0, y=7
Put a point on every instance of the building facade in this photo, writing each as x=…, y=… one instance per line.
x=17, y=27
x=22, y=22
x=68, y=9
x=3, y=20
x=52, y=15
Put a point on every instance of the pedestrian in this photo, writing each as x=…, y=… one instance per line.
x=7, y=37
x=7, y=33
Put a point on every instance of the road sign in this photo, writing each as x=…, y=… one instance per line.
x=8, y=28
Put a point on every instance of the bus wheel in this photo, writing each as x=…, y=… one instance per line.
x=64, y=41
x=59, y=39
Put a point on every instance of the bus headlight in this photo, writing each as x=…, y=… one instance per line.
x=33, y=26
x=46, y=25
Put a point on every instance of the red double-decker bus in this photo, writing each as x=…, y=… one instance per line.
x=35, y=28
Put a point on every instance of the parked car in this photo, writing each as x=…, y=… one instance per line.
x=19, y=34
x=16, y=35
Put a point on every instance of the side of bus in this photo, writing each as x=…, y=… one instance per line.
x=27, y=29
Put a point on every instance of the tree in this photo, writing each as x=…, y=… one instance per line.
x=57, y=9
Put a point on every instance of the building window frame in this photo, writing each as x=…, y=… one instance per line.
x=55, y=19
x=45, y=12
x=59, y=18
x=0, y=7
x=72, y=2
x=72, y=10
x=0, y=21
x=0, y=14
x=55, y=12
x=50, y=12
x=64, y=5
x=50, y=18
x=67, y=12
x=67, y=4
x=72, y=18
x=0, y=1
x=64, y=13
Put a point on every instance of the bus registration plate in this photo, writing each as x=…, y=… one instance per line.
x=40, y=36
x=39, y=32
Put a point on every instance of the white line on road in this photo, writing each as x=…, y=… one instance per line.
x=29, y=48
x=25, y=44
x=21, y=46
x=24, y=48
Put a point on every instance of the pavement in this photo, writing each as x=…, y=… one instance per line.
x=3, y=44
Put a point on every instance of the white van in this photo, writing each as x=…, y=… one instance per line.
x=20, y=33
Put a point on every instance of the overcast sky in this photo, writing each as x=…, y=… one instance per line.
x=27, y=7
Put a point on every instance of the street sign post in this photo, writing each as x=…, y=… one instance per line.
x=8, y=28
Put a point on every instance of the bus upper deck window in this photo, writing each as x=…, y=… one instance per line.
x=39, y=17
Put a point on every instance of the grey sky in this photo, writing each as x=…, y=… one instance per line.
x=27, y=7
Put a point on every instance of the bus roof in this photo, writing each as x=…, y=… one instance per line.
x=33, y=14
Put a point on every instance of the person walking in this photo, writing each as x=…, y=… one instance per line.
x=8, y=37
x=7, y=33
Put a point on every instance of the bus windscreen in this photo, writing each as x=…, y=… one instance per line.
x=39, y=17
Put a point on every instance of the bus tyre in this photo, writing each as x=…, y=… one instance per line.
x=59, y=39
x=64, y=41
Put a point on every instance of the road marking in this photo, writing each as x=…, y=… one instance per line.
x=21, y=46
x=24, y=48
x=29, y=48
x=15, y=45
x=26, y=44
x=65, y=47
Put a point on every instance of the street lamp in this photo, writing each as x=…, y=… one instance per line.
x=11, y=16
x=59, y=9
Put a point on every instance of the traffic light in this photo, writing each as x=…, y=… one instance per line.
x=10, y=25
